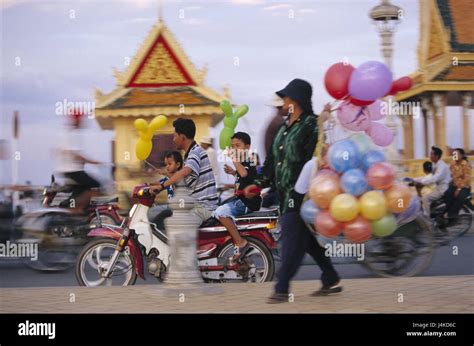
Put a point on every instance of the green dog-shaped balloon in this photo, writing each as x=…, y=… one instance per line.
x=230, y=122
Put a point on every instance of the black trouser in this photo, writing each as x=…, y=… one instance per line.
x=296, y=241
x=454, y=204
x=84, y=183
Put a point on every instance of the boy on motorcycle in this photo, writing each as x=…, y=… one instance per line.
x=245, y=173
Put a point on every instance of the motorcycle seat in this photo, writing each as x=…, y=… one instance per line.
x=104, y=200
x=211, y=222
x=262, y=213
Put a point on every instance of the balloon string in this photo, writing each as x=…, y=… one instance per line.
x=150, y=164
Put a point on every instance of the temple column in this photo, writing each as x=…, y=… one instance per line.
x=407, y=122
x=427, y=111
x=439, y=108
x=466, y=129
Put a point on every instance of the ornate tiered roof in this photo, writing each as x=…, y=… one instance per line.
x=160, y=79
x=445, y=49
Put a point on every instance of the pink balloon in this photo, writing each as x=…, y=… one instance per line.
x=380, y=134
x=375, y=111
x=352, y=117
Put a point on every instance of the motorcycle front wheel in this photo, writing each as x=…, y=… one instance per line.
x=94, y=259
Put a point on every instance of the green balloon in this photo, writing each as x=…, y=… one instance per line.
x=230, y=122
x=241, y=111
x=226, y=108
x=384, y=226
x=225, y=138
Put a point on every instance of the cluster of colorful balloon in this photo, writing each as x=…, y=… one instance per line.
x=357, y=195
x=359, y=89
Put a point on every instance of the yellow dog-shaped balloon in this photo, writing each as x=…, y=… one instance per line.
x=145, y=130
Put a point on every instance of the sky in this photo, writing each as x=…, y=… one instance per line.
x=64, y=49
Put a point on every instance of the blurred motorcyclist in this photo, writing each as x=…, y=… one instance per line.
x=72, y=161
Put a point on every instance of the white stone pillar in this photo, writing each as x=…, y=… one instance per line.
x=182, y=239
x=466, y=104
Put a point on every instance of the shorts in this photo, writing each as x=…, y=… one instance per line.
x=231, y=209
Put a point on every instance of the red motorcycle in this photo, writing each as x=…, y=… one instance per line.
x=117, y=255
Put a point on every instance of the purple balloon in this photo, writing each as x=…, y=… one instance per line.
x=370, y=81
x=381, y=135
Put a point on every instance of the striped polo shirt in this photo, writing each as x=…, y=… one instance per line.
x=201, y=181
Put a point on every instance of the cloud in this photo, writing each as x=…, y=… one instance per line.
x=307, y=10
x=276, y=7
x=192, y=8
x=248, y=2
x=194, y=21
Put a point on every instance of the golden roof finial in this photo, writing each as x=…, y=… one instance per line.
x=160, y=11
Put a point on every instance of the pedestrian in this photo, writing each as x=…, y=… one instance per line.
x=292, y=147
x=460, y=186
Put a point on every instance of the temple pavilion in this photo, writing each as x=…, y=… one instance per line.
x=160, y=79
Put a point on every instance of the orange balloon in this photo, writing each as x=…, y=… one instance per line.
x=323, y=189
x=358, y=231
x=380, y=175
x=326, y=225
x=398, y=198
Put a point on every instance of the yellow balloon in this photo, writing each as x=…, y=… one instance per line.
x=373, y=205
x=158, y=122
x=141, y=125
x=143, y=149
x=145, y=131
x=344, y=207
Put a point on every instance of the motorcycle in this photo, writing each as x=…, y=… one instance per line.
x=118, y=255
x=58, y=232
x=102, y=210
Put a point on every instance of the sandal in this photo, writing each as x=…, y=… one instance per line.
x=242, y=252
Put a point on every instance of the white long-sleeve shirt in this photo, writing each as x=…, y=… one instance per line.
x=441, y=176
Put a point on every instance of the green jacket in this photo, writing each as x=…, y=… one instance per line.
x=292, y=147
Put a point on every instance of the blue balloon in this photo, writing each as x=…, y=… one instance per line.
x=371, y=157
x=308, y=211
x=353, y=182
x=343, y=155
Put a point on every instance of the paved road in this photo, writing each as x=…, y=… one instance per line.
x=444, y=263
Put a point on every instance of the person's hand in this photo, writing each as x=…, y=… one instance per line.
x=156, y=189
x=228, y=169
x=326, y=112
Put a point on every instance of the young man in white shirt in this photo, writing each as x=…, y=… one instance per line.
x=441, y=177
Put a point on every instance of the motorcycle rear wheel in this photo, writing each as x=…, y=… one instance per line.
x=259, y=249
